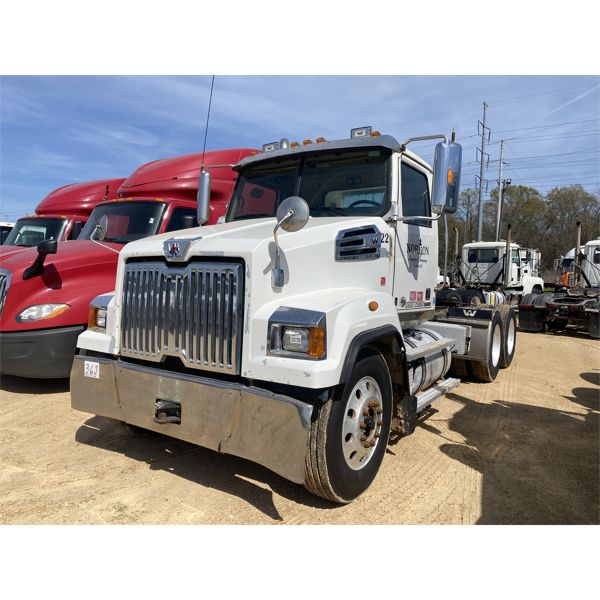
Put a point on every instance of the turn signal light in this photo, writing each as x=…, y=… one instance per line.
x=316, y=348
x=373, y=306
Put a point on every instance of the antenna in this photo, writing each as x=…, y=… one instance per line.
x=212, y=85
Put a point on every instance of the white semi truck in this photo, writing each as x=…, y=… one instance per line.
x=501, y=266
x=576, y=303
x=302, y=330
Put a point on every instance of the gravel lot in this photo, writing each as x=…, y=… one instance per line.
x=524, y=449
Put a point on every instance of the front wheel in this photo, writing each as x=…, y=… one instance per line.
x=349, y=434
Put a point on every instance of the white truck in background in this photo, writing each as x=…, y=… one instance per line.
x=305, y=328
x=576, y=303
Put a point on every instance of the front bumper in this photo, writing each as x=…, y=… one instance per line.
x=249, y=422
x=39, y=354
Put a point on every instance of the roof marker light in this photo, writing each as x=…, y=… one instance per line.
x=294, y=144
x=361, y=132
x=320, y=140
x=307, y=142
x=375, y=134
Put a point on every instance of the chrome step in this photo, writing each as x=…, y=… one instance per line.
x=424, y=399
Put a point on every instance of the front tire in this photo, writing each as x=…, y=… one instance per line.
x=349, y=434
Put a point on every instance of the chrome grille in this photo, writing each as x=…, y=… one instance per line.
x=193, y=312
x=4, y=285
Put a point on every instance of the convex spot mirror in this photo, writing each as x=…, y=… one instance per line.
x=298, y=218
x=446, y=177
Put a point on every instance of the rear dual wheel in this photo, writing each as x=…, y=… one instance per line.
x=509, y=327
x=349, y=433
x=487, y=370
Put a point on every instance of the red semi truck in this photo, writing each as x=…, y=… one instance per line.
x=61, y=215
x=45, y=291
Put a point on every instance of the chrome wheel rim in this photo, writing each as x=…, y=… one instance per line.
x=510, y=337
x=363, y=422
x=496, y=345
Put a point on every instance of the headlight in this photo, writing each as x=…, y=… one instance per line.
x=41, y=311
x=97, y=312
x=297, y=333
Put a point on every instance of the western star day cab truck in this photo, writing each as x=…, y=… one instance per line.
x=45, y=291
x=61, y=215
x=302, y=330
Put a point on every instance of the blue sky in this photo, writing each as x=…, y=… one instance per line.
x=59, y=130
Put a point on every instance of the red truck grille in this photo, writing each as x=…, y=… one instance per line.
x=194, y=312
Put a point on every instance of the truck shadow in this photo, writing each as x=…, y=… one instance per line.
x=201, y=466
x=539, y=465
x=21, y=385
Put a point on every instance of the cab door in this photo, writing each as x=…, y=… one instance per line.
x=416, y=260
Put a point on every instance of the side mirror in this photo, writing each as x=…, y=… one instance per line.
x=446, y=177
x=37, y=267
x=77, y=227
x=203, y=207
x=100, y=229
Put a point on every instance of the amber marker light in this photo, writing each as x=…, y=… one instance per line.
x=375, y=134
x=373, y=306
x=450, y=177
x=307, y=142
x=316, y=348
x=320, y=140
x=294, y=144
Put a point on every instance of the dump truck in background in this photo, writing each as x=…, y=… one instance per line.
x=61, y=215
x=303, y=329
x=45, y=291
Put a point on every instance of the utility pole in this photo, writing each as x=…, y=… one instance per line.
x=500, y=190
x=482, y=158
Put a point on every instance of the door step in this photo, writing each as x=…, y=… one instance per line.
x=442, y=387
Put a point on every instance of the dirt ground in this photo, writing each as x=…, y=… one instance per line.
x=524, y=449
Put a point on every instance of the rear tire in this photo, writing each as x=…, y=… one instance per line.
x=471, y=297
x=487, y=370
x=338, y=466
x=509, y=335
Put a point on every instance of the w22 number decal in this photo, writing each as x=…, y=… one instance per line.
x=381, y=238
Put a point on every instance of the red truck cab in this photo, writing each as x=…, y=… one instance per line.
x=42, y=315
x=60, y=215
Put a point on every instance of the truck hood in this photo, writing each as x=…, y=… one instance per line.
x=6, y=251
x=78, y=272
x=74, y=253
x=307, y=257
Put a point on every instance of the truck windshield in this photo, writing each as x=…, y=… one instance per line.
x=346, y=183
x=127, y=221
x=31, y=231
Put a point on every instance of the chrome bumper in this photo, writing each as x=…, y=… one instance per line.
x=249, y=422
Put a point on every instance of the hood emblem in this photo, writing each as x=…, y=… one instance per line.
x=176, y=249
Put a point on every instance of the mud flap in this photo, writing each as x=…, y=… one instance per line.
x=407, y=413
x=531, y=319
x=594, y=323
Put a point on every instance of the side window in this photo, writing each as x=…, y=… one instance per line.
x=415, y=195
x=178, y=218
x=596, y=257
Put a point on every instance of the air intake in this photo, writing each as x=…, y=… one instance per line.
x=358, y=243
